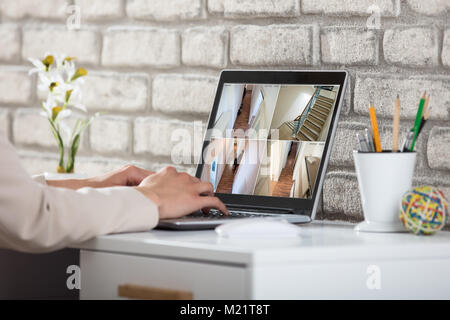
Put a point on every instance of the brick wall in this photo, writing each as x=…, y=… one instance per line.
x=153, y=66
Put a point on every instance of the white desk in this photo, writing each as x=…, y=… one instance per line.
x=327, y=261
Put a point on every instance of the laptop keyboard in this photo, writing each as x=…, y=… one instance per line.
x=216, y=214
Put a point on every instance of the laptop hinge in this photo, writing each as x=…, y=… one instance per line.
x=269, y=209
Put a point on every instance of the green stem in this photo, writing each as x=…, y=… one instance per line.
x=60, y=145
x=73, y=152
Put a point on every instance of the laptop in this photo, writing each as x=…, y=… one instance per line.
x=267, y=145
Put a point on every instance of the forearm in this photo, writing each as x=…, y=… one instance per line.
x=52, y=218
x=74, y=184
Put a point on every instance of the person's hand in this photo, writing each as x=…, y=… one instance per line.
x=125, y=176
x=177, y=193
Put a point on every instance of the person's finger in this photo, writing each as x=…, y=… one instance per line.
x=204, y=188
x=213, y=202
x=195, y=179
x=135, y=175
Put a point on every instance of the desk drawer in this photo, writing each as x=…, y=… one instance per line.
x=102, y=273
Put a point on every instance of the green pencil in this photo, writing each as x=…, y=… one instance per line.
x=418, y=120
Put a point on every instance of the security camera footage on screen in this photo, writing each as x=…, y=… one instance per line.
x=268, y=139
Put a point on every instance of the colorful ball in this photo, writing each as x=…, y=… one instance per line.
x=424, y=210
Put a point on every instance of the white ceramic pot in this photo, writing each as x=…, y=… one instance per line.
x=383, y=178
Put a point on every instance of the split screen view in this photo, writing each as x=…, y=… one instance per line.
x=268, y=140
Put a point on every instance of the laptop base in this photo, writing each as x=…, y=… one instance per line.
x=200, y=221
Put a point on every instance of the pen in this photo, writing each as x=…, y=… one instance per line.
x=407, y=142
x=369, y=140
x=362, y=143
x=418, y=120
x=376, y=134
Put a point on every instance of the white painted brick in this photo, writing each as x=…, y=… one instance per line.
x=100, y=9
x=386, y=8
x=127, y=46
x=82, y=44
x=382, y=90
x=38, y=162
x=438, y=151
x=183, y=93
x=349, y=46
x=15, y=85
x=341, y=194
x=9, y=42
x=110, y=133
x=429, y=7
x=271, y=45
x=253, y=8
x=30, y=128
x=411, y=46
x=116, y=91
x=164, y=10
x=17, y=9
x=205, y=46
x=446, y=48
x=4, y=121
x=216, y=6
x=162, y=137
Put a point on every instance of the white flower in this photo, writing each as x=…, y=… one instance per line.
x=69, y=67
x=76, y=98
x=50, y=81
x=51, y=112
x=65, y=113
x=48, y=106
x=59, y=59
x=39, y=66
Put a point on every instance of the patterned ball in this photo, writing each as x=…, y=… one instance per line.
x=424, y=210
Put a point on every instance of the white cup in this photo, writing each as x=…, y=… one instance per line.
x=383, y=178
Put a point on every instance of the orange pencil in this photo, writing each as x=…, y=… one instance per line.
x=376, y=133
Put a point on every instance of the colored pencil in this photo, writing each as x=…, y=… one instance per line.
x=424, y=119
x=425, y=106
x=376, y=134
x=418, y=120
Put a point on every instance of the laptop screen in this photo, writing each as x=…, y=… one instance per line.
x=268, y=139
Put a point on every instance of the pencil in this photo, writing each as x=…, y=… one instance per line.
x=396, y=125
x=424, y=119
x=427, y=114
x=376, y=134
x=425, y=107
x=418, y=120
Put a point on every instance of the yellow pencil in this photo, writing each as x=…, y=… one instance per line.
x=396, y=125
x=376, y=133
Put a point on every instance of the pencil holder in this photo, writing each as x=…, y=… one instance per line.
x=383, y=178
